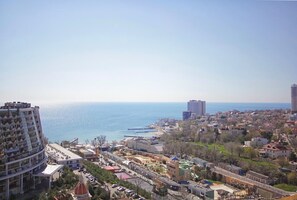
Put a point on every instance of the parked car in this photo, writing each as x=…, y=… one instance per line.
x=114, y=185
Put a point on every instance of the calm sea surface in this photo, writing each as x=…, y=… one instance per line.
x=88, y=120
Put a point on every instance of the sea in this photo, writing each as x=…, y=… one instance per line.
x=86, y=121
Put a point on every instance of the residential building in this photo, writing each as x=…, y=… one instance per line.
x=62, y=156
x=187, y=115
x=197, y=107
x=294, y=98
x=258, y=177
x=275, y=150
x=179, y=170
x=22, y=148
x=256, y=142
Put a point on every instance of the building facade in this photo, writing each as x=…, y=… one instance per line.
x=62, y=156
x=22, y=151
x=294, y=98
x=275, y=150
x=197, y=107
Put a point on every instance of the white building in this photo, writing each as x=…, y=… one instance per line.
x=275, y=150
x=62, y=156
x=22, y=148
x=197, y=107
x=256, y=142
x=142, y=144
x=294, y=98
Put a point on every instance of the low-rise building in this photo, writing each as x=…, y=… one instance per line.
x=232, y=168
x=275, y=150
x=145, y=144
x=256, y=142
x=62, y=156
x=258, y=177
x=200, y=162
x=179, y=170
x=201, y=191
x=88, y=154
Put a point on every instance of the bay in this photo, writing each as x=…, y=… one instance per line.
x=85, y=121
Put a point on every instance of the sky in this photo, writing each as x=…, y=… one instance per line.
x=147, y=51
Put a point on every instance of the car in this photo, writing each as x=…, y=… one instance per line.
x=128, y=192
x=120, y=188
x=114, y=185
x=141, y=198
x=135, y=196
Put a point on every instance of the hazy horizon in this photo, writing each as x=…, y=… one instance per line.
x=147, y=51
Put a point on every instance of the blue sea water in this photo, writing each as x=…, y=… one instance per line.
x=88, y=120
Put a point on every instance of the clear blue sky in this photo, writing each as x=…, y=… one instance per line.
x=218, y=51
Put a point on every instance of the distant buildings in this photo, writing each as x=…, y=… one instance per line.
x=187, y=115
x=195, y=108
x=294, y=98
x=22, y=148
x=256, y=142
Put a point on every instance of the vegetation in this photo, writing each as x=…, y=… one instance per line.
x=61, y=186
x=98, y=193
x=106, y=176
x=225, y=146
x=286, y=187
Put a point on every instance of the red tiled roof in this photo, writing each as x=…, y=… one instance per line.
x=80, y=189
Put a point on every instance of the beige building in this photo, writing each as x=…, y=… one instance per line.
x=22, y=148
x=178, y=170
x=275, y=150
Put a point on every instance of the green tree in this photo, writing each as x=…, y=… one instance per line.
x=292, y=178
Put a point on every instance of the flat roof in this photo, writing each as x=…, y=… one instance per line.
x=60, y=153
x=49, y=170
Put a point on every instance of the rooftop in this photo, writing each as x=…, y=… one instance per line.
x=60, y=153
x=13, y=105
x=49, y=170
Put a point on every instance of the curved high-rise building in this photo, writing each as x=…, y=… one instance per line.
x=22, y=148
x=294, y=98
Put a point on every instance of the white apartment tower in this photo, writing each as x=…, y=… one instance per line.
x=197, y=107
x=294, y=98
x=22, y=148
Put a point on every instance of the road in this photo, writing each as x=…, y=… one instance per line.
x=146, y=175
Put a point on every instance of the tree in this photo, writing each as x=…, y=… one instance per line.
x=250, y=152
x=267, y=135
x=239, y=150
x=282, y=161
x=101, y=139
x=292, y=178
x=293, y=157
x=138, y=182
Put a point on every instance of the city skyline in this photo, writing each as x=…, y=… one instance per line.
x=147, y=51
